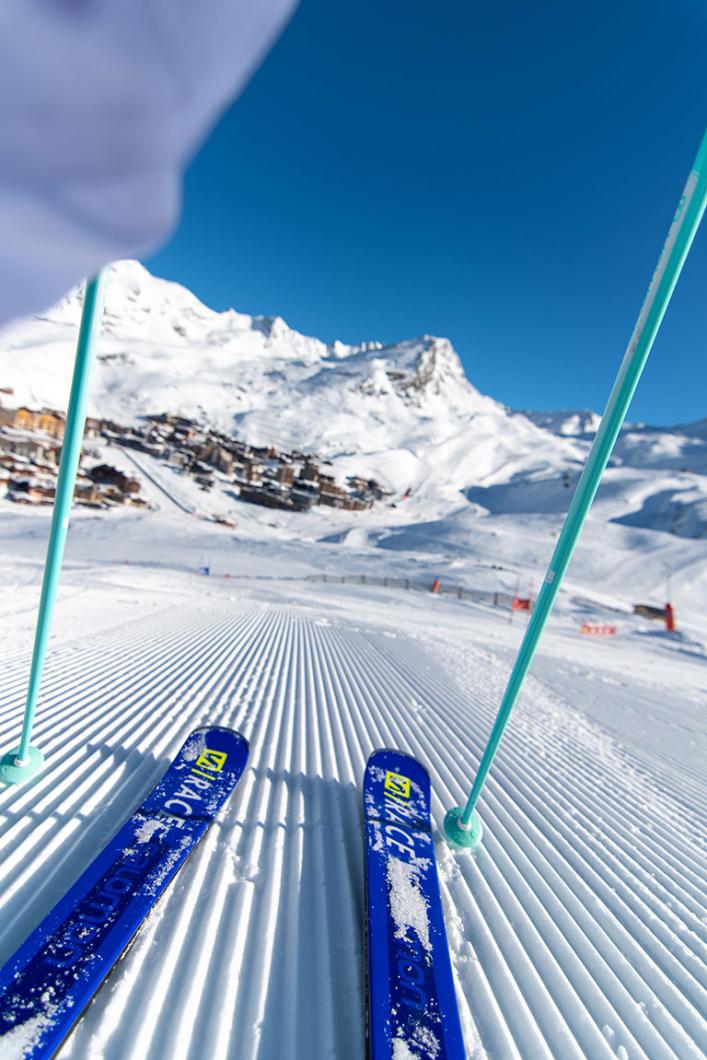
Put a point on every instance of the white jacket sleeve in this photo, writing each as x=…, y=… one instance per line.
x=102, y=104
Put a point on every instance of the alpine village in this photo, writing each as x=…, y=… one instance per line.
x=30, y=449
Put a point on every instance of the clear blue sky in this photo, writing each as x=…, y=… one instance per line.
x=500, y=173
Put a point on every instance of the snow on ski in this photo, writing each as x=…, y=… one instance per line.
x=412, y=1008
x=49, y=981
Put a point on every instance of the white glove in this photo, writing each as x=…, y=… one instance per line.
x=102, y=104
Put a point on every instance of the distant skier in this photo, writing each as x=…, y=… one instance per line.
x=102, y=106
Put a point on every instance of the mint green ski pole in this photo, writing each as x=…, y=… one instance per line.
x=462, y=826
x=22, y=763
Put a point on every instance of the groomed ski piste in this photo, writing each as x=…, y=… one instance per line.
x=576, y=931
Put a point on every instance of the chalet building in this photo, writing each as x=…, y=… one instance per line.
x=218, y=457
x=19, y=497
x=177, y=457
x=25, y=444
x=111, y=429
x=44, y=468
x=253, y=472
x=205, y=452
x=327, y=485
x=367, y=488
x=310, y=472
x=14, y=462
x=113, y=493
x=303, y=497
x=330, y=494
x=31, y=490
x=185, y=434
x=203, y=474
x=331, y=500
x=169, y=419
x=268, y=498
x=87, y=492
x=24, y=419
x=106, y=475
x=47, y=420
x=134, y=441
x=271, y=466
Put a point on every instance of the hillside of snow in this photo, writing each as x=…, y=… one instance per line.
x=576, y=931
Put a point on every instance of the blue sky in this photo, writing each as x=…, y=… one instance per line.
x=503, y=174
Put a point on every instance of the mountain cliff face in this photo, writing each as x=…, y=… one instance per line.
x=404, y=413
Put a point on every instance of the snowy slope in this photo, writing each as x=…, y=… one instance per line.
x=578, y=931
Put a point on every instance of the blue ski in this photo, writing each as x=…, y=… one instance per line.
x=47, y=984
x=412, y=1008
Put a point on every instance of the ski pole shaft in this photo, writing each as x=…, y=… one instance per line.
x=682, y=231
x=68, y=467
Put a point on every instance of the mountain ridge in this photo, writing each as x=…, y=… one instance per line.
x=403, y=413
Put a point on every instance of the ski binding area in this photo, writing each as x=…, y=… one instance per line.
x=412, y=1008
x=47, y=984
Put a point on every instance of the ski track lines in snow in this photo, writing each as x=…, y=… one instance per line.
x=576, y=932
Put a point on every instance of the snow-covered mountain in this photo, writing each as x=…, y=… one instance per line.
x=657, y=472
x=566, y=422
x=681, y=448
x=403, y=413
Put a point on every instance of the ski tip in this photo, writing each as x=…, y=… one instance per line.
x=215, y=748
x=395, y=778
x=382, y=756
x=203, y=731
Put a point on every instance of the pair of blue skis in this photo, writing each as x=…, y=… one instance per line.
x=51, y=979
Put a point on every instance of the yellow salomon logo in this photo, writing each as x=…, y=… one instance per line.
x=213, y=760
x=397, y=784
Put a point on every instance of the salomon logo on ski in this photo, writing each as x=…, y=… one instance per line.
x=397, y=785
